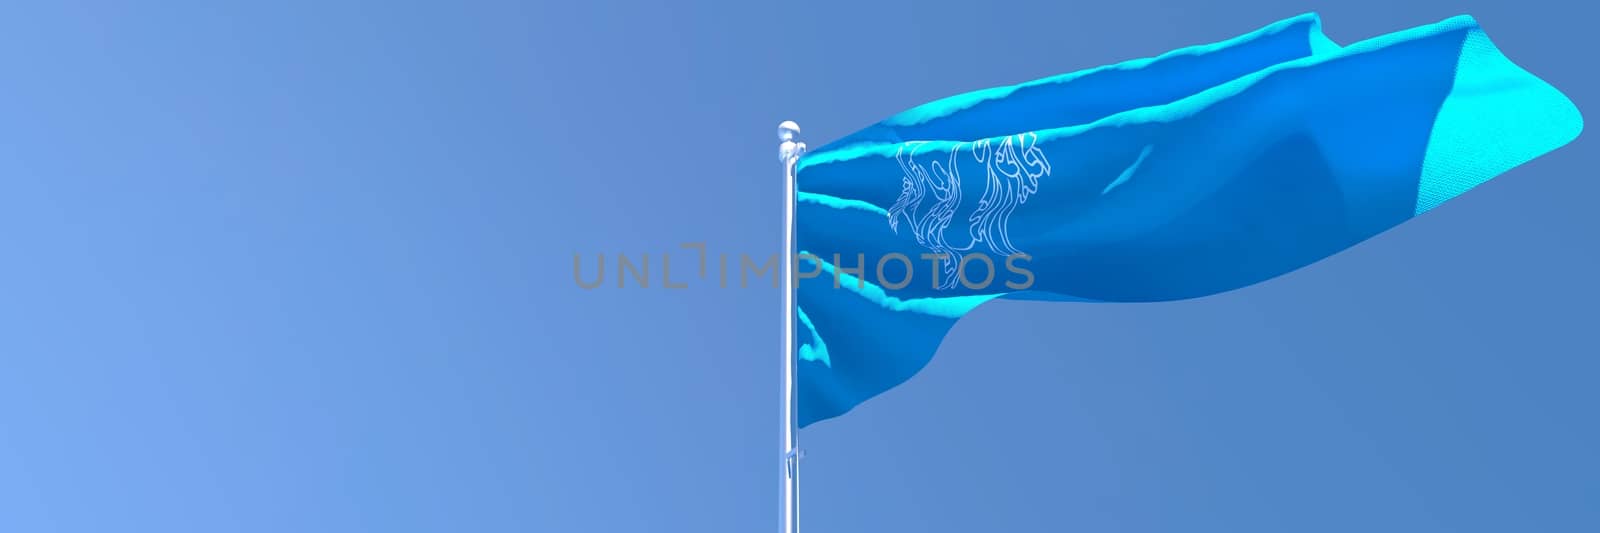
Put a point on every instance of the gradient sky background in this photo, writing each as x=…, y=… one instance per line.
x=306, y=266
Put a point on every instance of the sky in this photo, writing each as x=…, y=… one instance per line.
x=307, y=266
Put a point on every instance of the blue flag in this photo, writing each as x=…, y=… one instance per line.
x=1196, y=172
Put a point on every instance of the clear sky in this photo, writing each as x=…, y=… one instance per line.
x=306, y=266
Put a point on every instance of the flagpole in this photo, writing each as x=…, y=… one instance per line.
x=789, y=151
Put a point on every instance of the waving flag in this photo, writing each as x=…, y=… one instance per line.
x=1196, y=172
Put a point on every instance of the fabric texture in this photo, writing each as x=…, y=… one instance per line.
x=1196, y=172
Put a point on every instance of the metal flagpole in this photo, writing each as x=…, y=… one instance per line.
x=789, y=151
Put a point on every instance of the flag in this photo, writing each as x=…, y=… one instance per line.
x=1196, y=172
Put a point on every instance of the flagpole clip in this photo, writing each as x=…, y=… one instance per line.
x=791, y=460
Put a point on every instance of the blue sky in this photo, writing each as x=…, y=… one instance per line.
x=306, y=267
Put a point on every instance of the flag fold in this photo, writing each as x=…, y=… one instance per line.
x=1195, y=172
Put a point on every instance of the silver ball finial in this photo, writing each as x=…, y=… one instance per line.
x=789, y=149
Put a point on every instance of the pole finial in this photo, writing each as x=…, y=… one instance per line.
x=789, y=147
